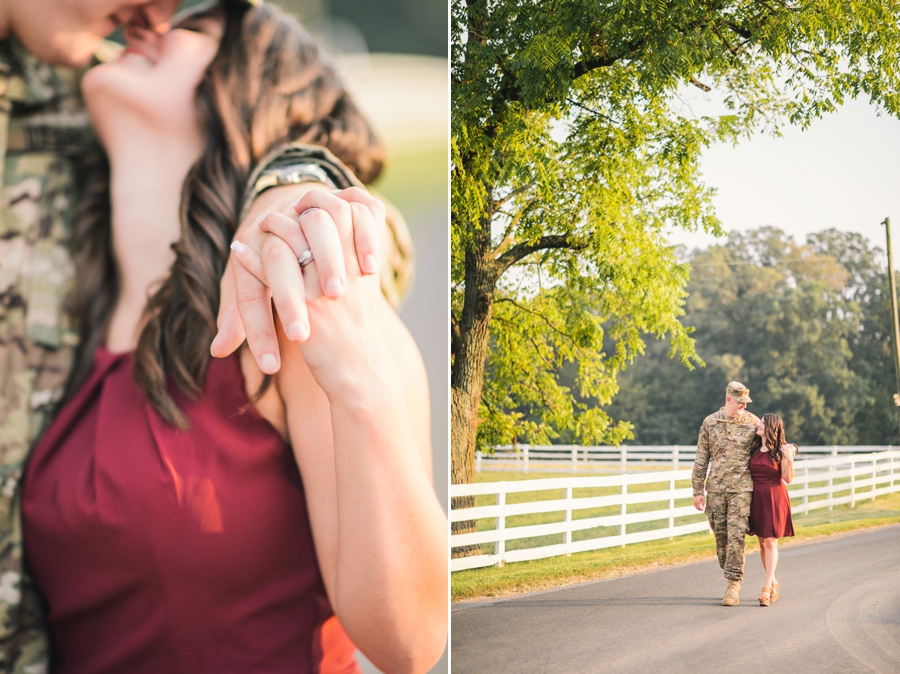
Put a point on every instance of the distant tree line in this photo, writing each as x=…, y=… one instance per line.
x=806, y=327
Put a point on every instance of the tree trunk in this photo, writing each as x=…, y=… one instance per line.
x=468, y=373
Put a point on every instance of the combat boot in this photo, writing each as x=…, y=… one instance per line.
x=732, y=594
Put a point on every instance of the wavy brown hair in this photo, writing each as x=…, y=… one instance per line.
x=269, y=84
x=774, y=437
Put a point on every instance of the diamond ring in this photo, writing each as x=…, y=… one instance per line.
x=306, y=258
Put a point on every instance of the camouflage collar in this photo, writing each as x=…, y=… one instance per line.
x=739, y=418
x=26, y=79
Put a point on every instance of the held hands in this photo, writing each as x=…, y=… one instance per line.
x=334, y=301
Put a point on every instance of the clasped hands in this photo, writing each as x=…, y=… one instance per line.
x=333, y=298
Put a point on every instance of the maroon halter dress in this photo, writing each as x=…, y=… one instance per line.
x=159, y=550
x=770, y=509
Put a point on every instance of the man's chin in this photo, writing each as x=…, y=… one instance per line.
x=75, y=52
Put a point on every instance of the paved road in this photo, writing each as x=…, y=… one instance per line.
x=839, y=612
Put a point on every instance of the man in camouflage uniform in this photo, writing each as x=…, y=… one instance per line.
x=44, y=46
x=724, y=446
x=43, y=128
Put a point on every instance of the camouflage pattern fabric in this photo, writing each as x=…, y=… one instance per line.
x=729, y=518
x=724, y=448
x=43, y=127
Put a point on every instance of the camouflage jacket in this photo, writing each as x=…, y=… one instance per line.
x=43, y=130
x=43, y=127
x=724, y=448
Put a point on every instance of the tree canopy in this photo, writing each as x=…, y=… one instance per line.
x=571, y=156
x=805, y=327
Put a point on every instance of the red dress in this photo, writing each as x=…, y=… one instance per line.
x=160, y=550
x=770, y=509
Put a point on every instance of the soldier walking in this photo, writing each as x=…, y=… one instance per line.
x=724, y=446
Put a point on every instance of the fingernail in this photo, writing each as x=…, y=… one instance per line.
x=334, y=287
x=297, y=331
x=260, y=218
x=370, y=264
x=267, y=363
x=336, y=191
x=238, y=247
x=295, y=203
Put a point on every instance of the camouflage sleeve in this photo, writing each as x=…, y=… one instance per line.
x=701, y=461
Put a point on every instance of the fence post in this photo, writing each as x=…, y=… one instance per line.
x=525, y=449
x=852, y=483
x=874, y=474
x=891, y=469
x=624, y=509
x=672, y=490
x=831, y=478
x=477, y=460
x=568, y=520
x=500, y=545
x=806, y=490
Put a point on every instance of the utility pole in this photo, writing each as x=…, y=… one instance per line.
x=895, y=326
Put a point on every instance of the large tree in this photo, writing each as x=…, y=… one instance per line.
x=571, y=154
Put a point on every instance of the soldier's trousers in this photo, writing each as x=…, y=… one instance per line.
x=729, y=518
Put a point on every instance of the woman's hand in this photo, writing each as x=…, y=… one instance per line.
x=245, y=309
x=334, y=296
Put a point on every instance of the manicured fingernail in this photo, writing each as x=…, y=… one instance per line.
x=336, y=191
x=267, y=363
x=260, y=218
x=334, y=287
x=370, y=264
x=295, y=203
x=238, y=247
x=297, y=331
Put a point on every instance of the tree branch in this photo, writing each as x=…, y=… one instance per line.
x=697, y=83
x=520, y=250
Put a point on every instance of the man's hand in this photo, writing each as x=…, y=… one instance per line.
x=245, y=309
x=700, y=502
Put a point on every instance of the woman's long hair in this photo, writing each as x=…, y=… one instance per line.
x=774, y=437
x=268, y=84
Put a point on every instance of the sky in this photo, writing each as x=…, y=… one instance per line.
x=842, y=172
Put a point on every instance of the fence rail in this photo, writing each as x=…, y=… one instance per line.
x=575, y=458
x=836, y=479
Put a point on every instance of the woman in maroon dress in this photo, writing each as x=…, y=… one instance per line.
x=772, y=467
x=180, y=515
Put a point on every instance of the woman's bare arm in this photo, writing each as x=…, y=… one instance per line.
x=787, y=463
x=355, y=397
x=380, y=534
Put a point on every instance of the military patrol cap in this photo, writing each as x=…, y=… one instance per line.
x=738, y=391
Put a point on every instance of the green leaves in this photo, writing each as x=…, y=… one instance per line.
x=803, y=326
x=571, y=155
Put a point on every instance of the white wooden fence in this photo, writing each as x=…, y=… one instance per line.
x=818, y=483
x=575, y=458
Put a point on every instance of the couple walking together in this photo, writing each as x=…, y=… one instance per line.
x=748, y=463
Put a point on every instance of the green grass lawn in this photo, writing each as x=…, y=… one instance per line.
x=562, y=570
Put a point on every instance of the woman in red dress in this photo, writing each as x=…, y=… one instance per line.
x=772, y=467
x=180, y=515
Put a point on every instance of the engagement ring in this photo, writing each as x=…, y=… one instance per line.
x=306, y=257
